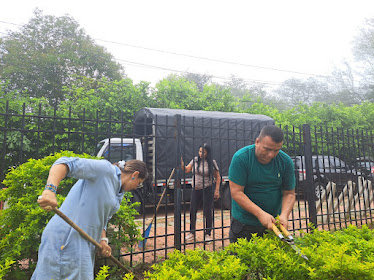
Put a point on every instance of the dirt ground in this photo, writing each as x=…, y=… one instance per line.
x=161, y=238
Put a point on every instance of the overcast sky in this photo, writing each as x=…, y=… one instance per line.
x=268, y=41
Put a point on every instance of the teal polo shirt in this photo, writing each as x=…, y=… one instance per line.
x=263, y=183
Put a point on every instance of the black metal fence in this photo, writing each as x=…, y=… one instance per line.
x=333, y=167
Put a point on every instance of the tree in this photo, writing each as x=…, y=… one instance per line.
x=295, y=91
x=240, y=88
x=114, y=98
x=363, y=47
x=218, y=98
x=199, y=79
x=176, y=92
x=49, y=53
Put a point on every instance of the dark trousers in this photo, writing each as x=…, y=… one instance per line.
x=240, y=230
x=204, y=196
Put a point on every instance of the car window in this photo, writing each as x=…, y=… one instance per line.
x=324, y=163
x=367, y=164
x=118, y=152
x=337, y=163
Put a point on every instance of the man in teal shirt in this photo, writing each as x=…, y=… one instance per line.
x=262, y=185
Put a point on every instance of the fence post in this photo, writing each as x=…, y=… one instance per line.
x=177, y=187
x=310, y=193
x=4, y=152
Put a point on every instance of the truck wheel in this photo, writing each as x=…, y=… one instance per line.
x=226, y=198
x=136, y=198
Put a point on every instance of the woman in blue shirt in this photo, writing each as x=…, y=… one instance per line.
x=91, y=202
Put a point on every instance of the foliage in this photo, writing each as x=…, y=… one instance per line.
x=363, y=49
x=343, y=255
x=347, y=254
x=128, y=276
x=176, y=92
x=199, y=264
x=217, y=98
x=103, y=273
x=4, y=268
x=111, y=106
x=122, y=222
x=331, y=115
x=295, y=91
x=49, y=53
x=12, y=104
x=118, y=99
x=179, y=92
x=22, y=224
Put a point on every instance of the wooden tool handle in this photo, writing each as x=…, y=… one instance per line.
x=162, y=195
x=276, y=230
x=77, y=228
x=90, y=239
x=167, y=185
x=284, y=230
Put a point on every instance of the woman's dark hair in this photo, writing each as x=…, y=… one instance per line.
x=208, y=158
x=134, y=165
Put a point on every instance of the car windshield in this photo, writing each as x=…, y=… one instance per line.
x=117, y=152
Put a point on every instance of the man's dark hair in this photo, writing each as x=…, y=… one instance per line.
x=275, y=133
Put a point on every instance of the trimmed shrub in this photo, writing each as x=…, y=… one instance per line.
x=344, y=255
x=23, y=222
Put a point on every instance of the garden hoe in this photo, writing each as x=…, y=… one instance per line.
x=148, y=230
x=90, y=239
x=288, y=239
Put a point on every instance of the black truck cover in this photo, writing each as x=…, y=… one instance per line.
x=225, y=132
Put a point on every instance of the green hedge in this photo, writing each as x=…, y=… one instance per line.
x=343, y=255
x=22, y=224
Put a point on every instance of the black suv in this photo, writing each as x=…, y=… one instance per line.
x=325, y=169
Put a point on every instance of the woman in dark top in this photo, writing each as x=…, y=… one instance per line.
x=204, y=169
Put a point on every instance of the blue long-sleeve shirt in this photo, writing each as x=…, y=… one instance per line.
x=91, y=202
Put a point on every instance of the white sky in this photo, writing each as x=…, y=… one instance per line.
x=292, y=35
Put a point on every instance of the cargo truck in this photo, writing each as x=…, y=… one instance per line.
x=162, y=136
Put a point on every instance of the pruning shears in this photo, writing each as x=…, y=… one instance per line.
x=288, y=239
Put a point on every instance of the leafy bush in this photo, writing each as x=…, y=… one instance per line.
x=4, y=268
x=22, y=224
x=343, y=255
x=199, y=264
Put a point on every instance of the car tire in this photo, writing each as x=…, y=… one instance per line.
x=319, y=189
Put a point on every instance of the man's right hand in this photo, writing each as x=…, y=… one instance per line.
x=266, y=220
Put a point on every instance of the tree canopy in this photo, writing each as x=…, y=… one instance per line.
x=49, y=53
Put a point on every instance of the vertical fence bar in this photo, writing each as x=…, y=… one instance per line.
x=4, y=152
x=309, y=174
x=177, y=187
x=22, y=133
